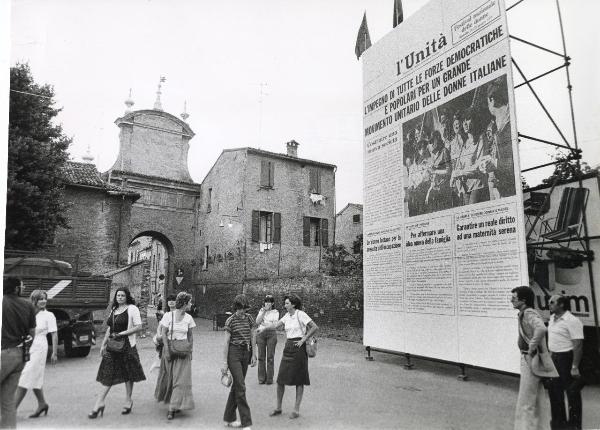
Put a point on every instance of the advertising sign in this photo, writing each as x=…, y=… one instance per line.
x=444, y=237
x=557, y=214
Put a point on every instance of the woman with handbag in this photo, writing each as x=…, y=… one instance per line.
x=120, y=360
x=157, y=339
x=238, y=351
x=266, y=340
x=293, y=370
x=174, y=383
x=32, y=376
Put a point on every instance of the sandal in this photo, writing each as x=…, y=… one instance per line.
x=275, y=412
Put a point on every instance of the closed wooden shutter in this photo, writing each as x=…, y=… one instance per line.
x=271, y=174
x=255, y=225
x=277, y=227
x=306, y=231
x=314, y=181
x=324, y=233
x=264, y=173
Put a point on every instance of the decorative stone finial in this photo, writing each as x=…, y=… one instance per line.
x=88, y=158
x=129, y=102
x=157, y=104
x=184, y=115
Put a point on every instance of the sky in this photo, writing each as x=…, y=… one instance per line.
x=264, y=72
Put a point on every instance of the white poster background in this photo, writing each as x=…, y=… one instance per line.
x=427, y=291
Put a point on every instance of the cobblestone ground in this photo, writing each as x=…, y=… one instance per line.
x=346, y=392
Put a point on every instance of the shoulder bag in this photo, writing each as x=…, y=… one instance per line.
x=114, y=345
x=178, y=348
x=311, y=342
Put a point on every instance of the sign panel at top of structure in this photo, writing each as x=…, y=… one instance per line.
x=443, y=215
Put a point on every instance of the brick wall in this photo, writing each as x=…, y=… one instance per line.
x=334, y=303
x=94, y=218
x=135, y=277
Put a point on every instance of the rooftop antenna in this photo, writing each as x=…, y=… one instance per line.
x=157, y=104
x=261, y=95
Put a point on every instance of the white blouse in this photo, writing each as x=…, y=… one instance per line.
x=180, y=328
x=295, y=326
x=45, y=322
x=269, y=317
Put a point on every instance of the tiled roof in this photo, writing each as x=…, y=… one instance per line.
x=83, y=174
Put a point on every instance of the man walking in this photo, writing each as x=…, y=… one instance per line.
x=565, y=342
x=18, y=321
x=532, y=408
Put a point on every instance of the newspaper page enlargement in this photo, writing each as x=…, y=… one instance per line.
x=443, y=213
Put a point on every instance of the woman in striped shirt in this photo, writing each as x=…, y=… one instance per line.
x=239, y=350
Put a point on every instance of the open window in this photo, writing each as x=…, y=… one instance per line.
x=315, y=232
x=266, y=227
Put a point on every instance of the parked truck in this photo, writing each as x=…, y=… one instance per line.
x=73, y=296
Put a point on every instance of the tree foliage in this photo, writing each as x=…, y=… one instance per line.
x=567, y=168
x=338, y=261
x=37, y=152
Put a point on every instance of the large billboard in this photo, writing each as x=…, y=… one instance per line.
x=444, y=235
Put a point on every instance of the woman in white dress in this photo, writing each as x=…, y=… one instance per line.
x=32, y=376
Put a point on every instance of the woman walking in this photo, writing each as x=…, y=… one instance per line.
x=124, y=366
x=238, y=351
x=32, y=376
x=174, y=383
x=266, y=340
x=293, y=369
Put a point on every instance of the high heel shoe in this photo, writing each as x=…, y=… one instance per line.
x=39, y=412
x=94, y=413
x=126, y=409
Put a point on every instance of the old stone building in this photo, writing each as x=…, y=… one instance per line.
x=265, y=214
x=348, y=225
x=99, y=216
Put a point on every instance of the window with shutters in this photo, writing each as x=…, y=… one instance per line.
x=267, y=174
x=208, y=207
x=205, y=262
x=315, y=232
x=266, y=227
x=314, y=181
x=356, y=218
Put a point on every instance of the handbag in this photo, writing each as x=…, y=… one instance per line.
x=114, y=345
x=226, y=379
x=311, y=342
x=178, y=348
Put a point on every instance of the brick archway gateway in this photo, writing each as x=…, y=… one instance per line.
x=152, y=162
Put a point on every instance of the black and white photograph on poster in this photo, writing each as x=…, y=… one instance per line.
x=460, y=152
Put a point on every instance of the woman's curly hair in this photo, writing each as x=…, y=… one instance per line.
x=182, y=299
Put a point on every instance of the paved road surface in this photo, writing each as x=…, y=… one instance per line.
x=347, y=392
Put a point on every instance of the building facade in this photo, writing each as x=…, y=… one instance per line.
x=265, y=214
x=348, y=226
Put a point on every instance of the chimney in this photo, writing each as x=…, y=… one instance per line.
x=292, y=148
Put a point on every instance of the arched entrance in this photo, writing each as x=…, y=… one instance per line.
x=158, y=250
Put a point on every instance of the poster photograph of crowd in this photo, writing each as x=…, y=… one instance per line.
x=459, y=153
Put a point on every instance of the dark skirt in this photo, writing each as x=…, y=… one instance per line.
x=293, y=369
x=116, y=368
